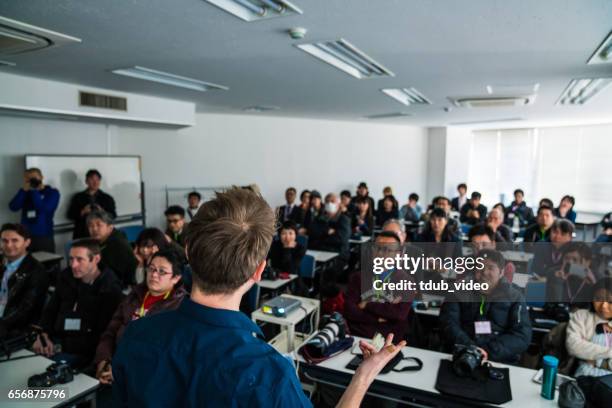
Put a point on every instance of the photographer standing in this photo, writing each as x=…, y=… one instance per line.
x=91, y=199
x=37, y=203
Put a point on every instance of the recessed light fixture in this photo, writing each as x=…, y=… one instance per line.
x=166, y=78
x=346, y=57
x=7, y=64
x=252, y=10
x=513, y=89
x=603, y=53
x=407, y=96
x=388, y=115
x=580, y=91
x=260, y=108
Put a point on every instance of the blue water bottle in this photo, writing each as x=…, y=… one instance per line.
x=549, y=379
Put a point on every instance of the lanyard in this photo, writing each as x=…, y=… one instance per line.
x=142, y=307
x=482, y=305
x=569, y=292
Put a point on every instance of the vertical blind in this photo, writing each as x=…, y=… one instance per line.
x=544, y=162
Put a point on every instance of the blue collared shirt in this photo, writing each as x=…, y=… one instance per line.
x=197, y=356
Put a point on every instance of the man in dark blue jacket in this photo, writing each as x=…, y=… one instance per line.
x=207, y=353
x=495, y=320
x=37, y=203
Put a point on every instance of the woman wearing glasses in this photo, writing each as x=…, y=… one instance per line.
x=162, y=290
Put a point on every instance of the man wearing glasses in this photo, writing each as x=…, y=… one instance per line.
x=175, y=220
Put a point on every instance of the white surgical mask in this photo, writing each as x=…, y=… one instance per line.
x=331, y=208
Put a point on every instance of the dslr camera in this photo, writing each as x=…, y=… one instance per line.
x=57, y=373
x=334, y=329
x=34, y=182
x=466, y=359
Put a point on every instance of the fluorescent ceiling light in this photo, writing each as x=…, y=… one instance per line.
x=260, y=108
x=252, y=10
x=407, y=96
x=346, y=57
x=388, y=115
x=603, y=53
x=7, y=64
x=479, y=122
x=513, y=89
x=166, y=78
x=580, y=91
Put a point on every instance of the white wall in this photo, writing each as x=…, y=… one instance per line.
x=223, y=150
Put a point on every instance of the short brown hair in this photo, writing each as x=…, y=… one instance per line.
x=228, y=237
x=92, y=246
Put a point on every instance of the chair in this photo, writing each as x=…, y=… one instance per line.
x=535, y=294
x=302, y=240
x=67, y=247
x=131, y=232
x=252, y=299
x=465, y=228
x=308, y=270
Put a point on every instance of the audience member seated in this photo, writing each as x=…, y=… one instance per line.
x=304, y=207
x=362, y=220
x=495, y=220
x=315, y=210
x=496, y=320
x=546, y=202
x=482, y=237
x=518, y=210
x=396, y=227
x=149, y=242
x=117, y=254
x=411, y=211
x=547, y=256
x=437, y=229
x=571, y=281
x=290, y=211
x=362, y=191
x=388, y=211
x=161, y=291
x=387, y=192
x=91, y=199
x=445, y=204
x=286, y=253
x=473, y=212
x=331, y=232
x=589, y=332
x=175, y=223
x=346, y=206
x=458, y=202
x=606, y=233
x=372, y=312
x=540, y=231
x=194, y=202
x=566, y=209
x=500, y=207
x=24, y=282
x=80, y=308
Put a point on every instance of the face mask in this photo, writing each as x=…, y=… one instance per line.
x=331, y=208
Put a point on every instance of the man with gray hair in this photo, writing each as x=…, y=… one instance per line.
x=117, y=253
x=495, y=220
x=397, y=227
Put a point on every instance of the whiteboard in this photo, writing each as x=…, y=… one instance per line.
x=121, y=178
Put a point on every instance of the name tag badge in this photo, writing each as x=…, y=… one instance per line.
x=31, y=214
x=510, y=216
x=482, y=327
x=72, y=324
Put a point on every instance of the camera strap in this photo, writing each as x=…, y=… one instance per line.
x=417, y=367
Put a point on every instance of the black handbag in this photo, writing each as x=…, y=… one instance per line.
x=571, y=396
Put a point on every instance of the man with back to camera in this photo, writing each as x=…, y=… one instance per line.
x=495, y=320
x=24, y=282
x=207, y=353
x=91, y=199
x=37, y=203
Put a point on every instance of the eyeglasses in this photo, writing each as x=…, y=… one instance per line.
x=160, y=272
x=174, y=220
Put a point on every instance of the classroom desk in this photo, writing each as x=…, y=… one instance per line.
x=322, y=256
x=48, y=259
x=517, y=256
x=15, y=374
x=276, y=284
x=586, y=221
x=430, y=311
x=362, y=240
x=419, y=386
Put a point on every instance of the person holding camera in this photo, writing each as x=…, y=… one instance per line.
x=37, y=203
x=208, y=353
x=571, y=281
x=494, y=320
x=91, y=199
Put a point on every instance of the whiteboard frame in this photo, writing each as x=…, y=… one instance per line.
x=125, y=218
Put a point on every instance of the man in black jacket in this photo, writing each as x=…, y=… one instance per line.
x=518, y=210
x=117, y=254
x=473, y=212
x=91, y=199
x=24, y=282
x=495, y=320
x=81, y=307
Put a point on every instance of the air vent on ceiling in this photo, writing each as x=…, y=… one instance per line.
x=346, y=57
x=494, y=102
x=388, y=115
x=18, y=38
x=252, y=10
x=102, y=101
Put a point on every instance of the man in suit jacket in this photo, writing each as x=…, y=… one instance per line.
x=290, y=211
x=24, y=281
x=458, y=202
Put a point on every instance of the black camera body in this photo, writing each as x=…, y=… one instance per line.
x=34, y=182
x=57, y=373
x=270, y=273
x=466, y=359
x=333, y=330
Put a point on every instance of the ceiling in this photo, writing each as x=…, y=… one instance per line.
x=444, y=48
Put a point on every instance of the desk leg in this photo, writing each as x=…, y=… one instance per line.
x=290, y=337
